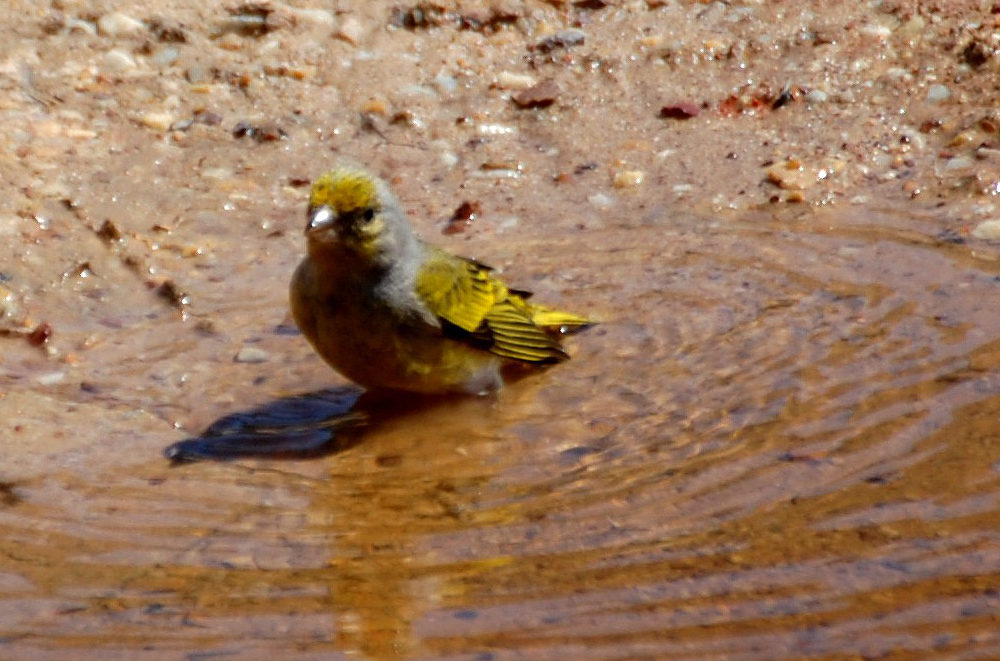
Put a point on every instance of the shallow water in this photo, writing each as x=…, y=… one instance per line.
x=781, y=442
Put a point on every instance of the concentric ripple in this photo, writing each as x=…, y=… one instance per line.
x=781, y=443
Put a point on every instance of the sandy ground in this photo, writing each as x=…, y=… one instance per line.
x=631, y=160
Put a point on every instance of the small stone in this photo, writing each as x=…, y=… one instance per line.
x=913, y=28
x=51, y=378
x=628, y=179
x=161, y=121
x=989, y=230
x=40, y=335
x=561, y=39
x=167, y=32
x=317, y=18
x=118, y=60
x=816, y=96
x=117, y=24
x=962, y=139
x=541, y=95
x=81, y=133
x=679, y=110
x=463, y=217
x=350, y=31
x=251, y=355
x=217, y=174
x=172, y=294
x=78, y=26
x=790, y=175
x=601, y=201
x=911, y=188
x=508, y=80
x=938, y=93
x=446, y=84
x=958, y=163
x=166, y=56
x=197, y=74
x=9, y=307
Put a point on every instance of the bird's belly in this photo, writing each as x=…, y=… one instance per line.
x=407, y=359
x=375, y=349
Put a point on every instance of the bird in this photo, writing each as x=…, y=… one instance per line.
x=392, y=312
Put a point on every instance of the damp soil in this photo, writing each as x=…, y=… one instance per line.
x=780, y=441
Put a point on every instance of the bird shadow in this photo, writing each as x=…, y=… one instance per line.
x=308, y=425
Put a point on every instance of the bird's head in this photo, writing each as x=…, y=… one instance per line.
x=354, y=213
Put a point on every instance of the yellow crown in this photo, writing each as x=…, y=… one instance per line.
x=344, y=190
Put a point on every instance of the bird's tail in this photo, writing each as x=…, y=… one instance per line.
x=563, y=322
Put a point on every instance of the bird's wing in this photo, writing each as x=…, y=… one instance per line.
x=480, y=310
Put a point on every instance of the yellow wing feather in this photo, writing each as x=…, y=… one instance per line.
x=485, y=313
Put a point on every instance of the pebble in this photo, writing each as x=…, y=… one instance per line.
x=317, y=18
x=197, y=74
x=989, y=230
x=77, y=26
x=161, y=121
x=351, y=30
x=445, y=84
x=251, y=355
x=795, y=175
x=628, y=179
x=541, y=95
x=8, y=304
x=51, y=378
x=601, y=200
x=165, y=56
x=508, y=80
x=958, y=163
x=937, y=93
x=817, y=96
x=217, y=174
x=118, y=60
x=117, y=24
x=495, y=129
x=562, y=39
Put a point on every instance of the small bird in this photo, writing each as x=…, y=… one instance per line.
x=389, y=311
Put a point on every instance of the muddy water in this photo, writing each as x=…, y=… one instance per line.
x=780, y=443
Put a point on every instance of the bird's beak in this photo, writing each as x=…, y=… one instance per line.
x=319, y=218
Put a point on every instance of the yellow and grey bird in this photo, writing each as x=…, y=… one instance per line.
x=387, y=310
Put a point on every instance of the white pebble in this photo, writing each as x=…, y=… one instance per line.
x=937, y=93
x=165, y=56
x=351, y=30
x=251, y=355
x=118, y=60
x=51, y=378
x=989, y=230
x=217, y=174
x=958, y=163
x=77, y=26
x=817, y=96
x=117, y=24
x=495, y=129
x=509, y=80
x=601, y=200
x=446, y=84
x=320, y=18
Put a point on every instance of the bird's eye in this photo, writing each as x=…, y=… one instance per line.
x=368, y=214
